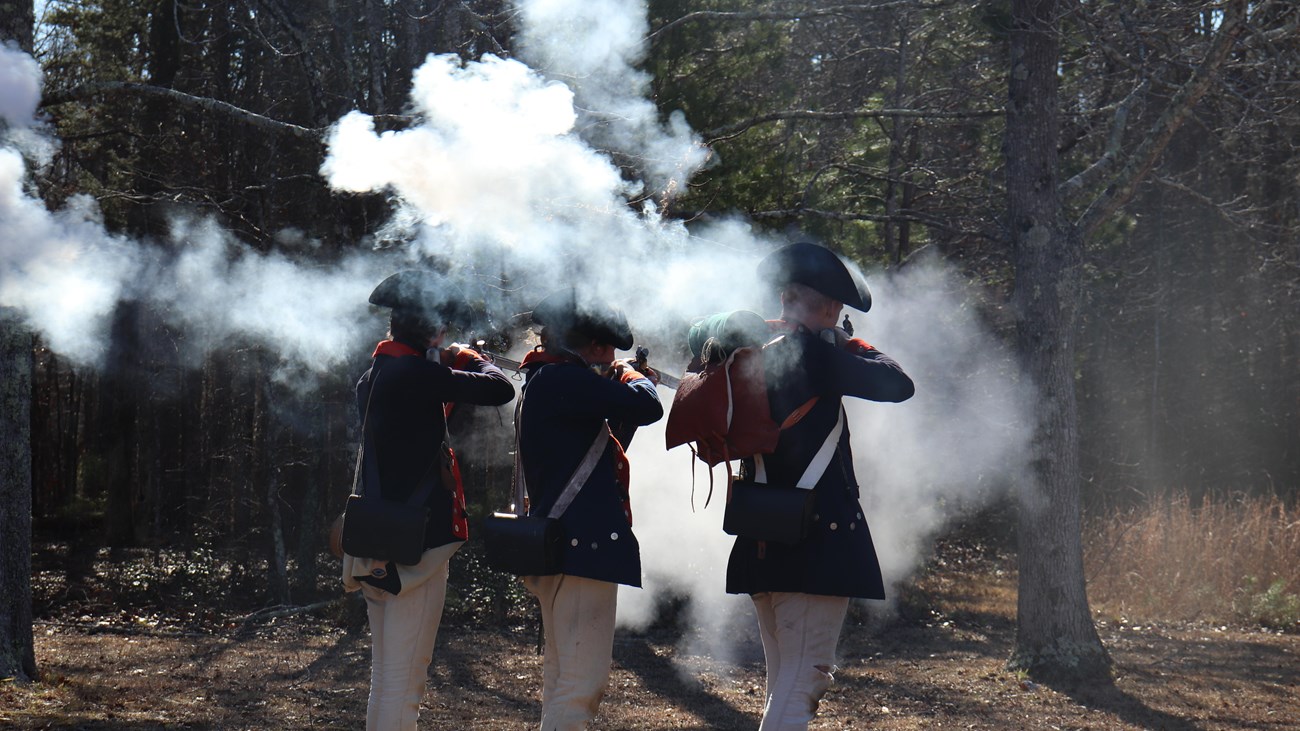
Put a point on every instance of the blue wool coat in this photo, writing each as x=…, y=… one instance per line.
x=564, y=406
x=407, y=423
x=838, y=557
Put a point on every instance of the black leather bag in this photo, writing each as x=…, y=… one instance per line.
x=384, y=530
x=533, y=545
x=768, y=512
x=777, y=512
x=525, y=545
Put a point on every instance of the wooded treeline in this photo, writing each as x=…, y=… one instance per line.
x=876, y=126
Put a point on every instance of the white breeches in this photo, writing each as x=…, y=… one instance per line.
x=800, y=632
x=578, y=621
x=403, y=629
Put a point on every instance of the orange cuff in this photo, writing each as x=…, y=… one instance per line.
x=464, y=358
x=629, y=375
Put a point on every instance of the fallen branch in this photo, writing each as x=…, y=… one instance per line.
x=282, y=610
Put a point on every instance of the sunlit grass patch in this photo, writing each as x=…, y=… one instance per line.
x=1227, y=559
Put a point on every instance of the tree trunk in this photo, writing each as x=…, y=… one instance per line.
x=278, y=555
x=1055, y=636
x=375, y=55
x=897, y=127
x=121, y=398
x=266, y=476
x=17, y=657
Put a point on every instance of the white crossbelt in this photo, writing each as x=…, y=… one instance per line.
x=820, y=461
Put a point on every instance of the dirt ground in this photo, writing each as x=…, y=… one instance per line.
x=937, y=664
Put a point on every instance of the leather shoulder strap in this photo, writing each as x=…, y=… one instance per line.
x=576, y=480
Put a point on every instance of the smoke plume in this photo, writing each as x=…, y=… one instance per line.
x=64, y=273
x=495, y=178
x=596, y=48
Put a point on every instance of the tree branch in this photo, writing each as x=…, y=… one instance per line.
x=1230, y=212
x=180, y=98
x=736, y=128
x=1148, y=152
x=879, y=218
x=283, y=611
x=1118, y=126
x=750, y=17
x=737, y=16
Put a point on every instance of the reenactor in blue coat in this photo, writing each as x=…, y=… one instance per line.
x=801, y=591
x=574, y=393
x=401, y=400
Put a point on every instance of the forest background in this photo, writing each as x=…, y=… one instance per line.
x=878, y=128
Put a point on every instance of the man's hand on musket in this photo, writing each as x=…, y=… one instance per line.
x=619, y=367
x=650, y=373
x=642, y=364
x=457, y=355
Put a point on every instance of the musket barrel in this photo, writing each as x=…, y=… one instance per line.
x=665, y=379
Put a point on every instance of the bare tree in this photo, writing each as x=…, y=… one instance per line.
x=1055, y=634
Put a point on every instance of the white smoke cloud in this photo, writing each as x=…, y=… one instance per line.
x=494, y=176
x=61, y=270
x=492, y=164
x=20, y=86
x=20, y=94
x=596, y=48
x=963, y=439
x=216, y=289
x=65, y=273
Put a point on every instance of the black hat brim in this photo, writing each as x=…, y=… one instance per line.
x=565, y=311
x=816, y=267
x=422, y=293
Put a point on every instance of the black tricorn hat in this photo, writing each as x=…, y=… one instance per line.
x=423, y=293
x=565, y=311
x=817, y=267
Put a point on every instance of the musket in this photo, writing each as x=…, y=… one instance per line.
x=642, y=354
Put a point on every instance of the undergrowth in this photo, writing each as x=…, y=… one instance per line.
x=1225, y=559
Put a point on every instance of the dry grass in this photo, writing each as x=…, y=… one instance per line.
x=1227, y=559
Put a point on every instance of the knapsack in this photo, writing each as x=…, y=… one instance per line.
x=722, y=406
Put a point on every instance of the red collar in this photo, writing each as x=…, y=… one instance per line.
x=394, y=348
x=783, y=326
x=540, y=356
